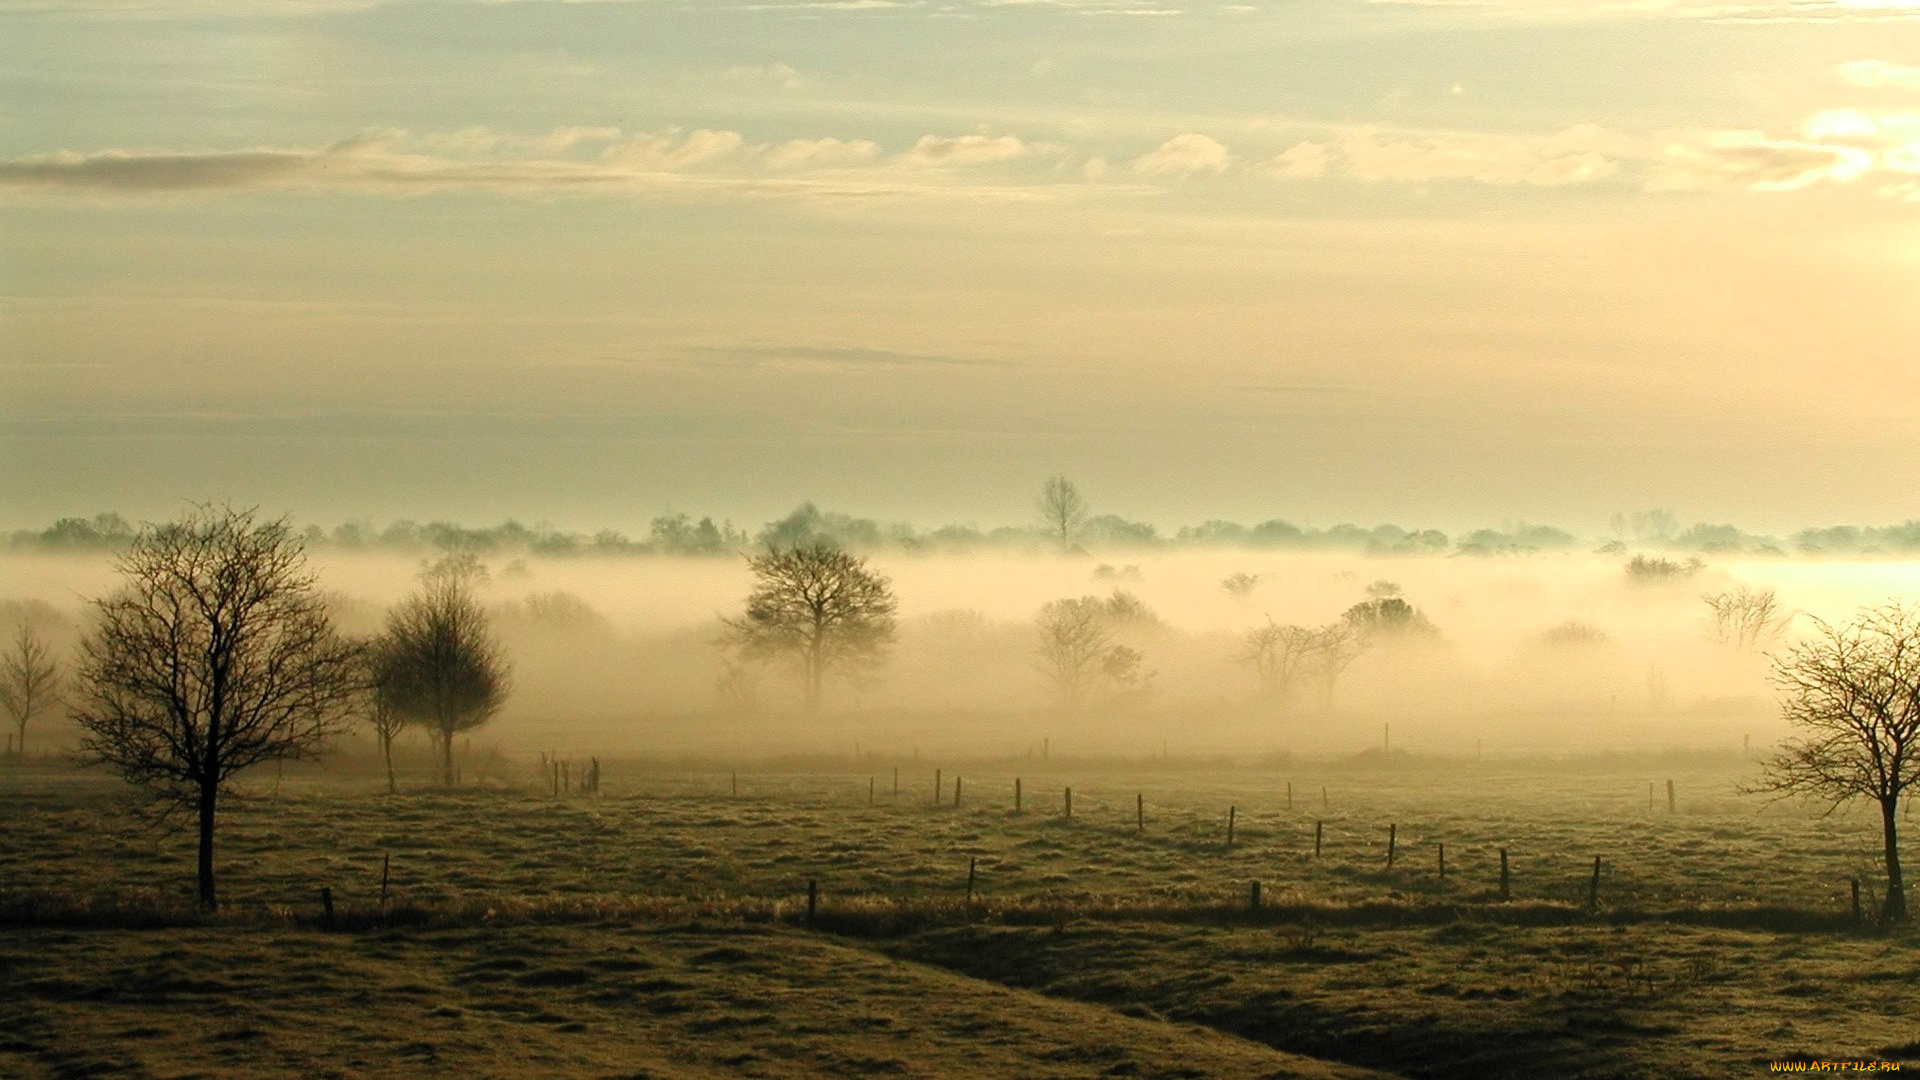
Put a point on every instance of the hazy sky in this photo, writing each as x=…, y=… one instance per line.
x=1445, y=263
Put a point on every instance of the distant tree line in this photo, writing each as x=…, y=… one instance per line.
x=1067, y=522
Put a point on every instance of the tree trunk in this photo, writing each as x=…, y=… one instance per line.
x=386, y=754
x=446, y=756
x=815, y=663
x=208, y=793
x=1895, y=908
x=20, y=744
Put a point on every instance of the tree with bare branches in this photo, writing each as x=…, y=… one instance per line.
x=819, y=608
x=1062, y=508
x=1746, y=618
x=440, y=665
x=382, y=702
x=1282, y=658
x=30, y=681
x=215, y=654
x=1852, y=693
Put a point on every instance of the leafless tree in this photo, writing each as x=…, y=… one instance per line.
x=1852, y=694
x=819, y=608
x=382, y=699
x=1335, y=647
x=1746, y=618
x=214, y=655
x=1282, y=658
x=1240, y=585
x=1076, y=650
x=30, y=681
x=440, y=665
x=1062, y=508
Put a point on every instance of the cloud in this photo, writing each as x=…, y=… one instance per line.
x=665, y=153
x=846, y=357
x=1697, y=160
x=1880, y=75
x=122, y=170
x=1576, y=155
x=1184, y=155
x=814, y=153
x=1300, y=161
x=966, y=149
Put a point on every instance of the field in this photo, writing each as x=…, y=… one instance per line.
x=661, y=928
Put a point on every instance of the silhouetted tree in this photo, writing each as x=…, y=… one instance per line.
x=30, y=681
x=1282, y=656
x=215, y=654
x=1240, y=585
x=441, y=666
x=1074, y=641
x=819, y=608
x=1746, y=618
x=382, y=675
x=1852, y=694
x=1386, y=618
x=1062, y=508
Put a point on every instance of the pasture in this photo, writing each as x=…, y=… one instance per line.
x=1719, y=935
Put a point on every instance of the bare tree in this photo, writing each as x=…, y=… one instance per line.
x=1746, y=618
x=1852, y=693
x=383, y=699
x=819, y=608
x=1282, y=657
x=214, y=655
x=1062, y=508
x=1335, y=647
x=440, y=665
x=1074, y=641
x=30, y=682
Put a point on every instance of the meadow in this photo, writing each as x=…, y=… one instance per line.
x=1719, y=936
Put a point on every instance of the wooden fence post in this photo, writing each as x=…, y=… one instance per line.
x=813, y=899
x=1253, y=897
x=386, y=864
x=956, y=791
x=870, y=783
x=1505, y=892
x=1289, y=796
x=1855, y=882
x=970, y=865
x=939, y=787
x=1443, y=861
x=326, y=906
x=1670, y=802
x=1139, y=813
x=1231, y=810
x=1393, y=832
x=1016, y=795
x=1593, y=887
x=1316, y=838
x=1069, y=804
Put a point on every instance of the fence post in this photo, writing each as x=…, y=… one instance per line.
x=970, y=864
x=326, y=906
x=1139, y=813
x=1016, y=795
x=386, y=864
x=1505, y=892
x=1855, y=882
x=939, y=787
x=1593, y=887
x=1289, y=796
x=870, y=783
x=1069, y=804
x=1670, y=802
x=1316, y=838
x=956, y=791
x=813, y=899
x=1443, y=861
x=1230, y=812
x=1253, y=897
x=1393, y=832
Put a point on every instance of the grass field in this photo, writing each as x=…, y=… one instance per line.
x=1722, y=937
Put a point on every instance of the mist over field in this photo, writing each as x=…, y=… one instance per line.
x=1534, y=654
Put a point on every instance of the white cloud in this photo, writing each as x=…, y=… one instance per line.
x=813, y=153
x=1705, y=159
x=965, y=149
x=665, y=153
x=1300, y=161
x=1577, y=155
x=1184, y=155
x=1880, y=75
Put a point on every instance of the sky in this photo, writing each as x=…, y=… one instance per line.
x=1437, y=263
